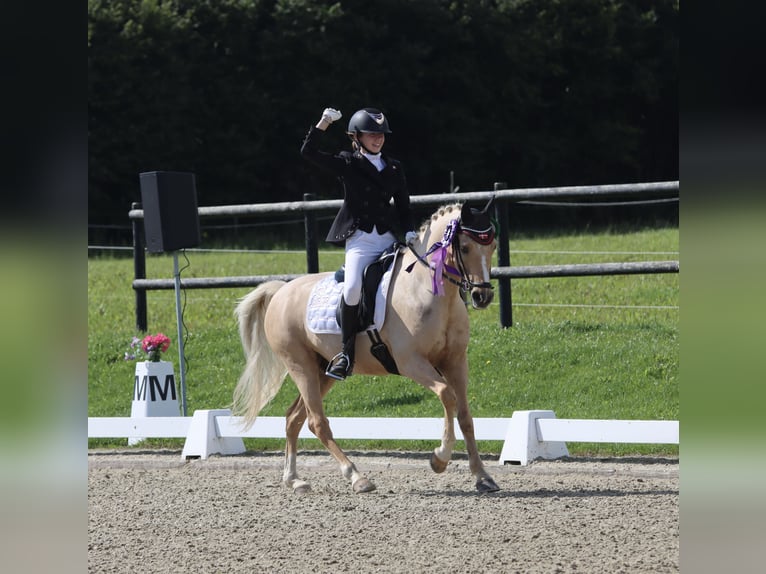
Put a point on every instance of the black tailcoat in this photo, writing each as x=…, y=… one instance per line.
x=367, y=192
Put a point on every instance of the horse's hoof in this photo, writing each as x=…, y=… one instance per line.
x=363, y=485
x=304, y=488
x=486, y=484
x=438, y=465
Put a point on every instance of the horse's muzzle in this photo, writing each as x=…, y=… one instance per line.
x=481, y=297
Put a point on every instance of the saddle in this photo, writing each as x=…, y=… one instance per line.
x=371, y=278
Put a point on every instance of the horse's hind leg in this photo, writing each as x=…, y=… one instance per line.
x=320, y=426
x=295, y=417
x=312, y=391
x=309, y=406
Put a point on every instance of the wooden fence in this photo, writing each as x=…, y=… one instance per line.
x=503, y=272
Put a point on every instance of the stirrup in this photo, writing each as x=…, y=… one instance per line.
x=338, y=367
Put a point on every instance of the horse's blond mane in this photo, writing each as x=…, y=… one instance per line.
x=443, y=210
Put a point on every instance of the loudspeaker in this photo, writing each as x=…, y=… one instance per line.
x=169, y=200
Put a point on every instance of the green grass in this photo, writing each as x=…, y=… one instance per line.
x=587, y=356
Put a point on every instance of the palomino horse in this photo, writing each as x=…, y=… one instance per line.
x=426, y=329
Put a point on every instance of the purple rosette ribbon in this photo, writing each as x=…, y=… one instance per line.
x=438, y=262
x=439, y=257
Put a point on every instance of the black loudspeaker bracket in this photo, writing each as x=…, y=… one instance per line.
x=179, y=331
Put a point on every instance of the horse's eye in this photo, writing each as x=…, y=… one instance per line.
x=464, y=249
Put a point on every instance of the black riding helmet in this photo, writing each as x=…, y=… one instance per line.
x=368, y=120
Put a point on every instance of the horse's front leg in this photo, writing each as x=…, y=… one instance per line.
x=457, y=375
x=484, y=482
x=423, y=373
x=443, y=453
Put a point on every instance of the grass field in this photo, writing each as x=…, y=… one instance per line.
x=584, y=347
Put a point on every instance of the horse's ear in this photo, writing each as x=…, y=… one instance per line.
x=490, y=203
x=469, y=213
x=466, y=213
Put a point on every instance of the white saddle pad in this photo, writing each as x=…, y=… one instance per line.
x=324, y=299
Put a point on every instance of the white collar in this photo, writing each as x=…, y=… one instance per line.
x=375, y=159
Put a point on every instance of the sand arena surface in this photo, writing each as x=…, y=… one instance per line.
x=151, y=512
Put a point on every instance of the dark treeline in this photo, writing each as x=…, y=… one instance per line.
x=531, y=93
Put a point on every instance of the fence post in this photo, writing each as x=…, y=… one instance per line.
x=139, y=268
x=312, y=248
x=503, y=259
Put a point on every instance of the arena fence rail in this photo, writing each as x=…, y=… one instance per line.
x=526, y=435
x=649, y=192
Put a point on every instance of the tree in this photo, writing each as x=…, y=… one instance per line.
x=544, y=92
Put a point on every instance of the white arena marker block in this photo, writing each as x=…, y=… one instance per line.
x=522, y=442
x=203, y=439
x=154, y=393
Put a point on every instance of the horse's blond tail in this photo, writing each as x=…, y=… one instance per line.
x=264, y=371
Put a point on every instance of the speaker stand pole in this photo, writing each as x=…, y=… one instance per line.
x=179, y=324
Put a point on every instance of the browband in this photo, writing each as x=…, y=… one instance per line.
x=482, y=236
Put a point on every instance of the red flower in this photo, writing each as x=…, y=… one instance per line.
x=152, y=346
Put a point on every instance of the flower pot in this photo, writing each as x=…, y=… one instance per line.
x=154, y=392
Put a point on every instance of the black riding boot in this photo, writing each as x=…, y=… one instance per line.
x=342, y=364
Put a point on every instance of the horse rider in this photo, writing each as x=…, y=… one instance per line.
x=366, y=221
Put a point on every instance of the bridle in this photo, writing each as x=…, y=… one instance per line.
x=457, y=254
x=452, y=238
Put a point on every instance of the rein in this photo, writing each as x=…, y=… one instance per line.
x=464, y=286
x=439, y=265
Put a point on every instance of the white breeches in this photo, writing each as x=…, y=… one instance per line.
x=362, y=249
